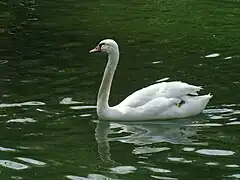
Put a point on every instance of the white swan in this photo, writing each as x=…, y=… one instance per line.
x=163, y=100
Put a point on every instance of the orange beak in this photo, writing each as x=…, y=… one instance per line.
x=96, y=49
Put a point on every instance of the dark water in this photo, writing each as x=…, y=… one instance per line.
x=48, y=123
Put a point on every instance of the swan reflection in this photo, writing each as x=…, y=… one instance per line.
x=144, y=133
x=178, y=131
x=101, y=135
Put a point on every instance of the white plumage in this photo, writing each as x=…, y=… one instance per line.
x=158, y=101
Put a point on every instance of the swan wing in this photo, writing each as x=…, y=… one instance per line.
x=157, y=105
x=175, y=89
x=149, y=110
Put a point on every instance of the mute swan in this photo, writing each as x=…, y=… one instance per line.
x=165, y=100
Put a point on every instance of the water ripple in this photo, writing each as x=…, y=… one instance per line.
x=13, y=165
x=235, y=176
x=177, y=159
x=16, y=177
x=123, y=169
x=163, y=177
x=69, y=100
x=89, y=177
x=233, y=123
x=188, y=149
x=212, y=55
x=31, y=161
x=7, y=149
x=158, y=170
x=30, y=103
x=146, y=150
x=215, y=152
x=82, y=107
x=76, y=177
x=232, y=165
x=3, y=61
x=218, y=110
x=212, y=163
x=205, y=125
x=23, y=120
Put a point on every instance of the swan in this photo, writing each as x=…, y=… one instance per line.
x=164, y=100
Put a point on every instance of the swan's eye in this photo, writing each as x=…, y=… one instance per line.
x=101, y=44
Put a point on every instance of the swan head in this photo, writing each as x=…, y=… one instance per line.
x=107, y=46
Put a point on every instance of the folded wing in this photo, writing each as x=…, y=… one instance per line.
x=175, y=89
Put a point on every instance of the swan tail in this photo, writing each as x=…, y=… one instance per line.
x=205, y=99
x=202, y=101
x=209, y=95
x=194, y=90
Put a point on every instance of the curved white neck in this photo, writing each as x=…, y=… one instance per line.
x=104, y=91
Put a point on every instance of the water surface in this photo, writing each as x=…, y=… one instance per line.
x=49, y=128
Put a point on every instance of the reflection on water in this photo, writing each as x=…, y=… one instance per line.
x=101, y=135
x=31, y=161
x=13, y=165
x=89, y=177
x=158, y=138
x=146, y=133
x=143, y=134
x=29, y=120
x=31, y=103
x=170, y=142
x=173, y=141
x=215, y=152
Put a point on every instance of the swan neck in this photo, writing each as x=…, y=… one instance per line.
x=104, y=91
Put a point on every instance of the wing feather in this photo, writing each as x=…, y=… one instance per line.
x=175, y=89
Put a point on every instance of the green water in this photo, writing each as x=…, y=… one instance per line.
x=49, y=128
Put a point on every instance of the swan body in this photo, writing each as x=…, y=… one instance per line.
x=164, y=100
